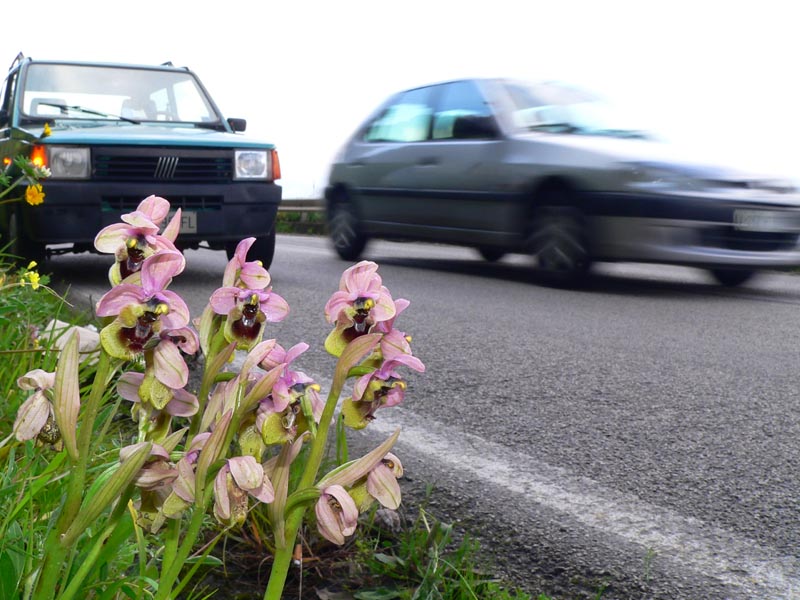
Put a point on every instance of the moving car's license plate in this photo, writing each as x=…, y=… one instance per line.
x=188, y=221
x=764, y=220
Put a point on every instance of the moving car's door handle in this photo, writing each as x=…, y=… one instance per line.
x=428, y=161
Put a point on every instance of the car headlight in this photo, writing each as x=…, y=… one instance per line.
x=662, y=178
x=68, y=162
x=253, y=164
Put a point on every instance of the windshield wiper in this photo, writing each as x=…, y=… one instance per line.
x=89, y=111
x=622, y=133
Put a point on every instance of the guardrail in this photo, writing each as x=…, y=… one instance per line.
x=301, y=216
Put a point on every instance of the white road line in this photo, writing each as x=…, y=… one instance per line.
x=751, y=570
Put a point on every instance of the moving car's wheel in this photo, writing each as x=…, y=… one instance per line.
x=491, y=253
x=23, y=249
x=263, y=249
x=345, y=230
x=732, y=277
x=558, y=241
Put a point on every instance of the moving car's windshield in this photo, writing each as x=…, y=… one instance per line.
x=563, y=109
x=84, y=92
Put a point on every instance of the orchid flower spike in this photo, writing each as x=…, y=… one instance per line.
x=142, y=311
x=137, y=237
x=381, y=388
x=337, y=514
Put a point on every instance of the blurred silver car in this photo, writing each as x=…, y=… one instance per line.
x=545, y=169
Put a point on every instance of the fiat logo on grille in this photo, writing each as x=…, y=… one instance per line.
x=165, y=169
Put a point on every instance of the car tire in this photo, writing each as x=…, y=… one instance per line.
x=732, y=277
x=263, y=249
x=559, y=244
x=23, y=250
x=491, y=253
x=345, y=230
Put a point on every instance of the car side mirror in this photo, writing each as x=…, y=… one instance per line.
x=238, y=124
x=475, y=127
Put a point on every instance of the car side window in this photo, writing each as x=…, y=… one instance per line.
x=6, y=96
x=408, y=119
x=459, y=100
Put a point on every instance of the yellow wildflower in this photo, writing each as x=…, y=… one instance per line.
x=34, y=278
x=34, y=194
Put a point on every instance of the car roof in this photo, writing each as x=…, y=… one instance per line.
x=23, y=60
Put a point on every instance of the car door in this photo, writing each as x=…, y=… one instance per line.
x=383, y=165
x=467, y=200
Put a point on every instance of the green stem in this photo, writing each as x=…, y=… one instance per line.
x=55, y=552
x=283, y=554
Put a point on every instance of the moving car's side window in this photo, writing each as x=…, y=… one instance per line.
x=408, y=119
x=458, y=100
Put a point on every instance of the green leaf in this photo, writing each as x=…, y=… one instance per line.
x=9, y=577
x=210, y=561
x=379, y=594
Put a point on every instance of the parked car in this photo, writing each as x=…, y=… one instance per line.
x=120, y=133
x=545, y=169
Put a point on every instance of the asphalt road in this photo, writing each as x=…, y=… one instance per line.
x=639, y=436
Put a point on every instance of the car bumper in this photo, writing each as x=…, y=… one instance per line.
x=73, y=212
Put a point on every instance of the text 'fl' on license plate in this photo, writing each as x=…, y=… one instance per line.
x=188, y=221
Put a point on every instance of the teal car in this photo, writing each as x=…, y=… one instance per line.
x=120, y=133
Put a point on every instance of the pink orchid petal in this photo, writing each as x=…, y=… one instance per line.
x=111, y=237
x=31, y=417
x=139, y=223
x=338, y=302
x=155, y=207
x=183, y=404
x=184, y=485
x=275, y=308
x=328, y=521
x=36, y=379
x=169, y=366
x=247, y=472
x=349, y=511
x=383, y=486
x=117, y=298
x=254, y=276
x=159, y=269
x=384, y=307
x=276, y=356
x=394, y=396
x=295, y=351
x=224, y=299
x=128, y=386
x=185, y=338
x=265, y=493
x=223, y=501
x=361, y=277
x=360, y=386
x=257, y=354
x=173, y=228
x=178, y=315
x=280, y=394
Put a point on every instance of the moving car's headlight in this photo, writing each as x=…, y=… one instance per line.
x=68, y=162
x=662, y=178
x=253, y=164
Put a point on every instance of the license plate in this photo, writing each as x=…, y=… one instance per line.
x=188, y=221
x=764, y=220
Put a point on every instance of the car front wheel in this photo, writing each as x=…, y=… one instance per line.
x=345, y=230
x=558, y=243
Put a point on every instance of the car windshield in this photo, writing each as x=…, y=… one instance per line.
x=128, y=94
x=561, y=108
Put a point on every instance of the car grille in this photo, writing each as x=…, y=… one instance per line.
x=179, y=167
x=127, y=204
x=733, y=239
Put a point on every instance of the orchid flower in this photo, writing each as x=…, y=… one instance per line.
x=36, y=416
x=183, y=488
x=293, y=407
x=247, y=310
x=360, y=303
x=137, y=238
x=381, y=388
x=141, y=311
x=380, y=484
x=156, y=472
x=132, y=387
x=239, y=477
x=241, y=273
x=337, y=514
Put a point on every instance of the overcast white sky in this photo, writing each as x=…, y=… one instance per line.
x=720, y=75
